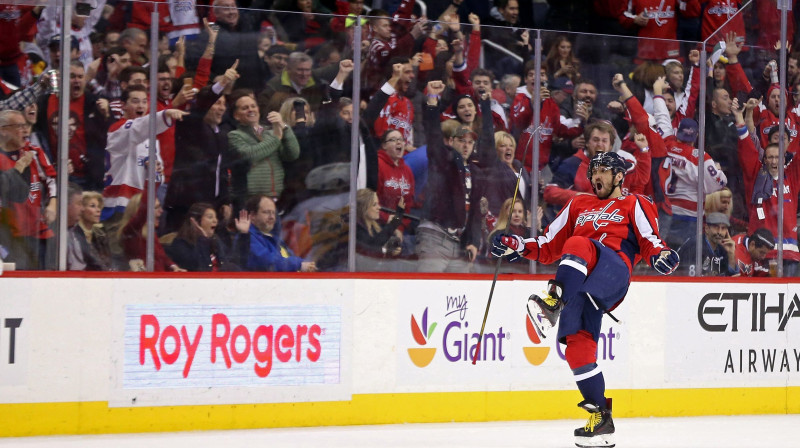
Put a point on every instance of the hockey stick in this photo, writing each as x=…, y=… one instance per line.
x=500, y=259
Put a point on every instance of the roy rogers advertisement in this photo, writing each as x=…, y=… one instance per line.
x=733, y=334
x=288, y=351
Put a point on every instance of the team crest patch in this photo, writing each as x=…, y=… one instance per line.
x=599, y=218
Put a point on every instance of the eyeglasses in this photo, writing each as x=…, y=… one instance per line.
x=17, y=125
x=394, y=140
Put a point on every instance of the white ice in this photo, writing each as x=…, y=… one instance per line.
x=767, y=431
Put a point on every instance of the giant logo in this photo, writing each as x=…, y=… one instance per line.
x=538, y=353
x=458, y=343
x=422, y=356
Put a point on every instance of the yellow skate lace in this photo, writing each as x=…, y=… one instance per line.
x=550, y=301
x=594, y=420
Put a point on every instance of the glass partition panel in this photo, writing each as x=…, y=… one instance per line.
x=436, y=143
x=253, y=112
x=740, y=208
x=288, y=129
x=31, y=164
x=275, y=136
x=606, y=93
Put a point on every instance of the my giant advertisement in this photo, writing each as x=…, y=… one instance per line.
x=733, y=334
x=439, y=329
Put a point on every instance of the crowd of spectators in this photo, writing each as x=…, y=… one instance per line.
x=255, y=110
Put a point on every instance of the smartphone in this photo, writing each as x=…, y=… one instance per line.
x=213, y=26
x=299, y=110
x=188, y=82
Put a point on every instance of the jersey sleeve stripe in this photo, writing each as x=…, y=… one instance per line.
x=645, y=227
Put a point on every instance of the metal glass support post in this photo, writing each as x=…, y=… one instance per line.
x=63, y=132
x=151, y=154
x=698, y=259
x=354, y=147
x=537, y=118
x=783, y=5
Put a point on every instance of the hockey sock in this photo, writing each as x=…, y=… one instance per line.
x=593, y=387
x=581, y=355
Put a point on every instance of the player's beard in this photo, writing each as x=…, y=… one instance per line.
x=613, y=187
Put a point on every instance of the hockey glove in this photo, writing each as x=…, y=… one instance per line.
x=666, y=262
x=508, y=246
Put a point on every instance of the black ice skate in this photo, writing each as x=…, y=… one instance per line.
x=544, y=311
x=599, y=430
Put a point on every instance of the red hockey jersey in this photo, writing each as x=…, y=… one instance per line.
x=744, y=263
x=552, y=123
x=764, y=213
x=394, y=182
x=715, y=14
x=660, y=31
x=625, y=224
x=398, y=113
x=26, y=218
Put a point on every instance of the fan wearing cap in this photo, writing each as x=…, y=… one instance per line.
x=449, y=236
x=54, y=47
x=719, y=249
x=766, y=115
x=681, y=187
x=751, y=252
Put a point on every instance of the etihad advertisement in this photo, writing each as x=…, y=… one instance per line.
x=724, y=333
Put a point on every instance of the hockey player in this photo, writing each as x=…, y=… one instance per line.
x=598, y=238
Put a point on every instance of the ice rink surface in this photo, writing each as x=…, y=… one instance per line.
x=771, y=431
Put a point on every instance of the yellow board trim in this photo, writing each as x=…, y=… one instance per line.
x=36, y=419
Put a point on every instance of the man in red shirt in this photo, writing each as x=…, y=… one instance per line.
x=751, y=253
x=390, y=108
x=26, y=224
x=89, y=119
x=551, y=120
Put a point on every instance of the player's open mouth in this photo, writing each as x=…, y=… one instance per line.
x=598, y=186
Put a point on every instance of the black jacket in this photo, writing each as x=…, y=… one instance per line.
x=197, y=257
x=197, y=174
x=445, y=191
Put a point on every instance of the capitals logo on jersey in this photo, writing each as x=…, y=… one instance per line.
x=546, y=132
x=599, y=218
x=660, y=15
